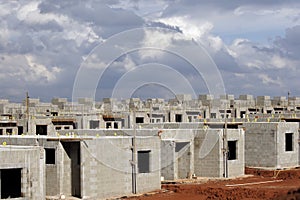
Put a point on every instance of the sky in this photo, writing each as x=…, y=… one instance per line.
x=148, y=49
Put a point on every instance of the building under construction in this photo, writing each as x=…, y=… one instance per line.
x=111, y=148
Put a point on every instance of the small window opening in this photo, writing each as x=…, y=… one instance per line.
x=41, y=129
x=213, y=115
x=144, y=161
x=289, y=142
x=50, y=156
x=178, y=118
x=20, y=130
x=94, y=124
x=243, y=113
x=108, y=125
x=139, y=120
x=9, y=131
x=232, y=150
x=116, y=125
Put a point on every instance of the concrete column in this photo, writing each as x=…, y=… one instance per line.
x=192, y=158
x=0, y=184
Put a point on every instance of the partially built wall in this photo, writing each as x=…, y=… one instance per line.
x=22, y=172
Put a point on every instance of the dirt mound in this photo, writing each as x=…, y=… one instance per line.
x=262, y=184
x=291, y=195
x=222, y=192
x=284, y=174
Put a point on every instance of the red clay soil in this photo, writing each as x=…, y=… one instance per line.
x=264, y=184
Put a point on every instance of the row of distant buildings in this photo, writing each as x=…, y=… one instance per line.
x=94, y=150
x=117, y=114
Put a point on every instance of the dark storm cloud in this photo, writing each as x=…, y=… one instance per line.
x=290, y=44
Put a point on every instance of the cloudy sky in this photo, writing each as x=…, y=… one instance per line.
x=44, y=45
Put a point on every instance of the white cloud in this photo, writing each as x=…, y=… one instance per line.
x=190, y=28
x=30, y=13
x=267, y=80
x=72, y=30
x=159, y=40
x=198, y=30
x=38, y=71
x=240, y=75
x=129, y=64
x=21, y=68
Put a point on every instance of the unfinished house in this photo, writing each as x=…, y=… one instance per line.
x=115, y=121
x=219, y=152
x=64, y=123
x=110, y=173
x=40, y=126
x=271, y=145
x=202, y=152
x=8, y=126
x=177, y=161
x=22, y=172
x=88, y=168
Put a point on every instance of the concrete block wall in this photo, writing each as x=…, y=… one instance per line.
x=57, y=176
x=65, y=172
x=185, y=160
x=287, y=158
x=178, y=134
x=265, y=144
x=150, y=181
x=19, y=140
x=237, y=167
x=168, y=159
x=207, y=153
x=102, y=174
x=50, y=127
x=54, y=173
x=260, y=144
x=107, y=170
x=31, y=162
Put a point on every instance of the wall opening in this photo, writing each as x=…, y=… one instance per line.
x=108, y=125
x=41, y=129
x=144, y=161
x=10, y=183
x=50, y=156
x=73, y=151
x=289, y=142
x=139, y=120
x=20, y=130
x=180, y=145
x=94, y=124
x=232, y=150
x=243, y=113
x=116, y=125
x=9, y=131
x=213, y=115
x=54, y=114
x=178, y=118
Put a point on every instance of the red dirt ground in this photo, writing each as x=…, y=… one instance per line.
x=279, y=184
